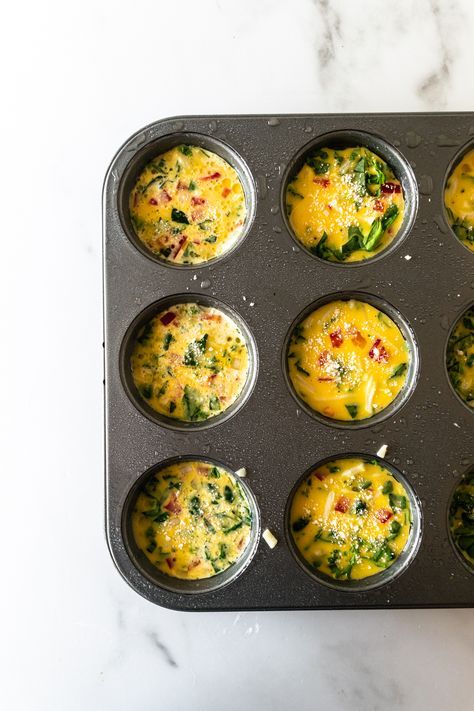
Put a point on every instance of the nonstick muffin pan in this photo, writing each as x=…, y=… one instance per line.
x=424, y=281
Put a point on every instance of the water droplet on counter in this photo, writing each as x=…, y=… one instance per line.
x=205, y=284
x=412, y=139
x=425, y=184
x=446, y=141
x=274, y=209
x=273, y=122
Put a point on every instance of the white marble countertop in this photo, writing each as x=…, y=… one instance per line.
x=78, y=79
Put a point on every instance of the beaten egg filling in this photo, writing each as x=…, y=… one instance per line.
x=345, y=205
x=459, y=200
x=460, y=357
x=192, y=520
x=350, y=519
x=461, y=518
x=190, y=362
x=347, y=360
x=188, y=205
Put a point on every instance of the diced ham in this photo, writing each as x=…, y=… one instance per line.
x=170, y=562
x=197, y=214
x=160, y=199
x=379, y=206
x=182, y=186
x=342, y=504
x=197, y=201
x=324, y=358
x=179, y=246
x=319, y=475
x=327, y=379
x=226, y=192
x=173, y=505
x=356, y=337
x=194, y=563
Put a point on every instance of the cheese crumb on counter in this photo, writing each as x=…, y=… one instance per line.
x=269, y=538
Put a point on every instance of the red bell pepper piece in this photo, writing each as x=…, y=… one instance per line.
x=336, y=338
x=213, y=176
x=390, y=188
x=167, y=318
x=378, y=352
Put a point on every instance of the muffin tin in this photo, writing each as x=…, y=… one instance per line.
x=425, y=278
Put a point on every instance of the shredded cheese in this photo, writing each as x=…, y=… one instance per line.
x=242, y=472
x=382, y=451
x=269, y=538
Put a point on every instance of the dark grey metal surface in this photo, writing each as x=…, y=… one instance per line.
x=269, y=281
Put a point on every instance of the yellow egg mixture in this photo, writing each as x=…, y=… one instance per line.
x=347, y=360
x=461, y=517
x=192, y=520
x=345, y=205
x=190, y=362
x=350, y=519
x=459, y=199
x=188, y=205
x=460, y=357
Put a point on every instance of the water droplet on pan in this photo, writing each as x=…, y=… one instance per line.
x=273, y=122
x=412, y=139
x=276, y=229
x=262, y=186
x=274, y=209
x=439, y=222
x=425, y=184
x=212, y=125
x=205, y=284
x=445, y=141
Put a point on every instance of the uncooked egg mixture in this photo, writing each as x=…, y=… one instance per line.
x=347, y=360
x=188, y=205
x=350, y=519
x=459, y=200
x=345, y=205
x=190, y=362
x=192, y=520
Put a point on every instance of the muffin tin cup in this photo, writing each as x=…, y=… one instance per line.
x=394, y=159
x=451, y=166
x=267, y=280
x=178, y=585
x=385, y=576
x=130, y=339
x=466, y=565
x=460, y=314
x=162, y=144
x=411, y=376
